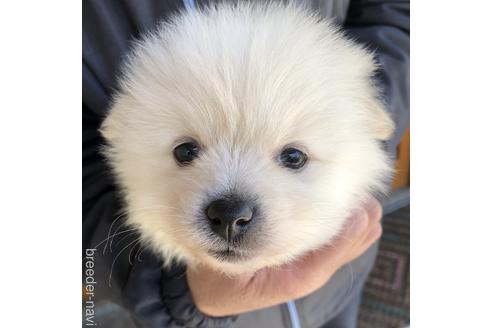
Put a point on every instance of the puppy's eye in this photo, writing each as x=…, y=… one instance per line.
x=293, y=158
x=186, y=152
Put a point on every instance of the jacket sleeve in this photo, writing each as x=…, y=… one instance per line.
x=155, y=297
x=161, y=298
x=384, y=26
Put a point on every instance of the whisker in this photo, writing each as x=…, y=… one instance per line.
x=105, y=239
x=121, y=240
x=130, y=253
x=111, y=227
x=140, y=251
x=115, y=234
x=114, y=261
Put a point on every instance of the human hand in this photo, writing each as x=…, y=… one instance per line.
x=216, y=294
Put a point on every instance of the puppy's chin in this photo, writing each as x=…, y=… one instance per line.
x=235, y=264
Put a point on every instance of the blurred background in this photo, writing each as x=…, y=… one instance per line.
x=386, y=296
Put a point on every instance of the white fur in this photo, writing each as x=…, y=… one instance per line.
x=246, y=80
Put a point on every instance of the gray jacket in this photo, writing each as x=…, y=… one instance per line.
x=141, y=293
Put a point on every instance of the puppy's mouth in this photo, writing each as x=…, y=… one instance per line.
x=229, y=255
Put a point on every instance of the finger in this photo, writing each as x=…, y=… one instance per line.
x=353, y=233
x=374, y=209
x=372, y=231
x=371, y=237
x=358, y=222
x=375, y=233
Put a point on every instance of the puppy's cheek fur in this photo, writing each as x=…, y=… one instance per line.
x=379, y=121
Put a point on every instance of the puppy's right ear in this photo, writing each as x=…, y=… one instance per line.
x=377, y=118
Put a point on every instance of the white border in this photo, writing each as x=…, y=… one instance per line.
x=40, y=165
x=451, y=124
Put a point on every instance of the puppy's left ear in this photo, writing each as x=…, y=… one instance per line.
x=379, y=121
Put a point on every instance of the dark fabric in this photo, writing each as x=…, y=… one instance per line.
x=386, y=295
x=160, y=298
x=167, y=301
x=333, y=302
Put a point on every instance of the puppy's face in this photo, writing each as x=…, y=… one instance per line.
x=237, y=151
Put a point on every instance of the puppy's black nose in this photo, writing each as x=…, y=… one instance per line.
x=229, y=217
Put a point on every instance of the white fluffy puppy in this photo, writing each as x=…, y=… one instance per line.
x=243, y=135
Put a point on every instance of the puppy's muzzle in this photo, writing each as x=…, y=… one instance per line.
x=229, y=218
